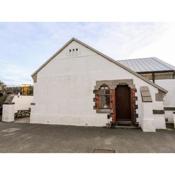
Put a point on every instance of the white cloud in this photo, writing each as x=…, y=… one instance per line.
x=14, y=75
x=120, y=40
x=163, y=47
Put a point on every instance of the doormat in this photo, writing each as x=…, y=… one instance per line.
x=103, y=151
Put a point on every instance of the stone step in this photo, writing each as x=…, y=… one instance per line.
x=124, y=123
x=125, y=127
x=103, y=150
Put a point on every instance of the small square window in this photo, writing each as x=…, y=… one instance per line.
x=70, y=50
x=73, y=50
x=76, y=49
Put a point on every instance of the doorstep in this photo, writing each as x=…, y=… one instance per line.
x=125, y=127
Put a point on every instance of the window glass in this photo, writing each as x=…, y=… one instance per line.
x=104, y=94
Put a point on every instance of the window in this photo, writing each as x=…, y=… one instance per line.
x=104, y=97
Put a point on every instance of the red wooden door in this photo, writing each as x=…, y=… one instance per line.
x=123, y=103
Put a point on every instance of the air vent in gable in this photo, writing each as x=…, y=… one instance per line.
x=73, y=51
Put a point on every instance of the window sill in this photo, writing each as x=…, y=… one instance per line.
x=103, y=110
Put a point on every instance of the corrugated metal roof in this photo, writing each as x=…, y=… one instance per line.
x=151, y=64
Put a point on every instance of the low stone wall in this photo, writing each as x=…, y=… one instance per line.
x=18, y=103
x=152, y=121
x=8, y=113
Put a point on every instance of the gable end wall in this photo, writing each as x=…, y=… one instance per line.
x=63, y=93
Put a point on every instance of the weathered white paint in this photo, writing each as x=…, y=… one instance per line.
x=8, y=113
x=147, y=119
x=169, y=116
x=22, y=102
x=169, y=100
x=169, y=85
x=159, y=121
x=18, y=103
x=63, y=93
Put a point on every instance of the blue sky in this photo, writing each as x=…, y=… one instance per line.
x=25, y=46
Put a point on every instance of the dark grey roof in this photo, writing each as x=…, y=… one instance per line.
x=151, y=64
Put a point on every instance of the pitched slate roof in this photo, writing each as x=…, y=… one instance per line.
x=151, y=64
x=104, y=56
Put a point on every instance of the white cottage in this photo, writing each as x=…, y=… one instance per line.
x=81, y=86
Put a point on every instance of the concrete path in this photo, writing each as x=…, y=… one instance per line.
x=30, y=138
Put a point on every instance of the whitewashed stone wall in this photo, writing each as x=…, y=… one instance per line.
x=8, y=113
x=18, y=103
x=63, y=93
x=169, y=100
x=22, y=102
x=169, y=85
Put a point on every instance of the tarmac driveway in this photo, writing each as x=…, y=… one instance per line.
x=30, y=138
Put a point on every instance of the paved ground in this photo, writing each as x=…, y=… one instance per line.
x=20, y=137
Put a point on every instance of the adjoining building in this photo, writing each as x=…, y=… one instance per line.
x=81, y=86
x=16, y=103
x=162, y=74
